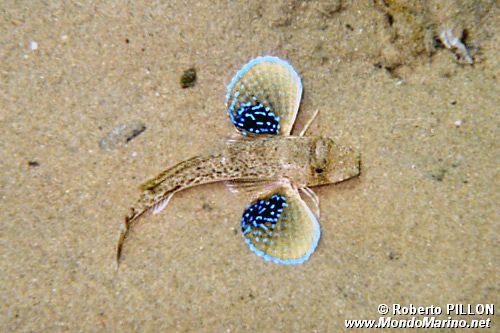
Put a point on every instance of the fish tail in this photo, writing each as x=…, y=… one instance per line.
x=133, y=216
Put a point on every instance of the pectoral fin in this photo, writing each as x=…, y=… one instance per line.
x=280, y=227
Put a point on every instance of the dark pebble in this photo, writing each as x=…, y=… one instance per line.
x=188, y=78
x=122, y=135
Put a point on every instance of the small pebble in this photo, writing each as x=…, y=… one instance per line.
x=188, y=78
x=33, y=45
x=122, y=135
x=458, y=122
x=33, y=163
x=451, y=41
x=439, y=175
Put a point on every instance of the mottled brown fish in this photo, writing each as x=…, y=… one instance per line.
x=263, y=161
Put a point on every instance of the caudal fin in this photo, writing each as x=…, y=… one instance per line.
x=124, y=229
x=132, y=217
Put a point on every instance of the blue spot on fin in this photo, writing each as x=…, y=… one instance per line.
x=253, y=120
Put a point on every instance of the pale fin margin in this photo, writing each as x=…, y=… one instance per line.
x=162, y=204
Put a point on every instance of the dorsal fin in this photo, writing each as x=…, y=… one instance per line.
x=153, y=182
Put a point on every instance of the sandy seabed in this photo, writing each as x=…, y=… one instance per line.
x=419, y=226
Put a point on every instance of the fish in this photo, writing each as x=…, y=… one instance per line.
x=263, y=161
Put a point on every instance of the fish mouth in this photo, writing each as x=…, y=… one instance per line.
x=357, y=166
x=350, y=166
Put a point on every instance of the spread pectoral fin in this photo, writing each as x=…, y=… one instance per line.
x=263, y=97
x=280, y=227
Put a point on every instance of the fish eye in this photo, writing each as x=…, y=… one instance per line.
x=319, y=170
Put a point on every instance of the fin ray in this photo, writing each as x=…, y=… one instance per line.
x=312, y=200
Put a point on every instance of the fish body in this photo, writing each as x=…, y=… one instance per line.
x=297, y=159
x=265, y=162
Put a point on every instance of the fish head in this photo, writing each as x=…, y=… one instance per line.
x=331, y=163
